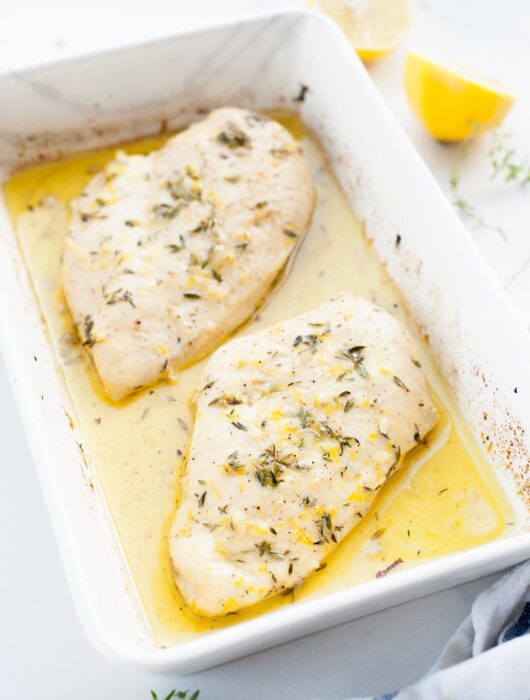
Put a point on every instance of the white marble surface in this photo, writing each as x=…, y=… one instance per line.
x=43, y=652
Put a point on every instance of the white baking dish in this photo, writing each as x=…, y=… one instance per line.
x=478, y=342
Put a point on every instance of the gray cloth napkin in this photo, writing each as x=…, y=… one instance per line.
x=488, y=658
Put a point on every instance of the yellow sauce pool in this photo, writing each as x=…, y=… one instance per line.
x=445, y=498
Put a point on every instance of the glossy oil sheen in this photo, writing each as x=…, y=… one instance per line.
x=445, y=498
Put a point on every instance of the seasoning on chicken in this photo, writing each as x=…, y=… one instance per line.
x=297, y=428
x=168, y=252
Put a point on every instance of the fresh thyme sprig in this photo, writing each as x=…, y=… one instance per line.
x=464, y=207
x=506, y=162
x=180, y=694
x=469, y=212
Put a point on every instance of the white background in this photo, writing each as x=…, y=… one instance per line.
x=43, y=652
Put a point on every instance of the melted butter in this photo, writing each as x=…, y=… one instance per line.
x=444, y=499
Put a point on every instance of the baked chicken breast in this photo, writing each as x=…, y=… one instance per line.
x=168, y=252
x=297, y=428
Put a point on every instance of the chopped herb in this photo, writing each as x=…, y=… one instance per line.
x=255, y=118
x=207, y=386
x=166, y=211
x=400, y=383
x=415, y=362
x=417, y=436
x=176, y=247
x=88, y=327
x=265, y=548
x=311, y=340
x=356, y=352
x=120, y=295
x=233, y=137
x=201, y=261
x=268, y=477
x=239, y=425
x=191, y=295
x=202, y=498
x=131, y=223
x=442, y=491
x=325, y=529
x=356, y=355
x=303, y=415
x=262, y=547
x=348, y=405
x=233, y=460
x=361, y=369
x=225, y=401
x=216, y=275
x=207, y=224
x=182, y=423
x=344, y=442
x=290, y=234
x=182, y=193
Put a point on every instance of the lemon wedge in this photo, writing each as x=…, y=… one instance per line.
x=453, y=105
x=374, y=27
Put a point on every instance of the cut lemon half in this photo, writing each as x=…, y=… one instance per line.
x=453, y=104
x=374, y=27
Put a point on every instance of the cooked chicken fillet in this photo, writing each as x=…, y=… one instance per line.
x=297, y=428
x=169, y=252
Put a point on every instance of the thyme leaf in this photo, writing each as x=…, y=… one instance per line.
x=233, y=460
x=166, y=211
x=356, y=355
x=233, y=137
x=88, y=327
x=120, y=295
x=400, y=383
